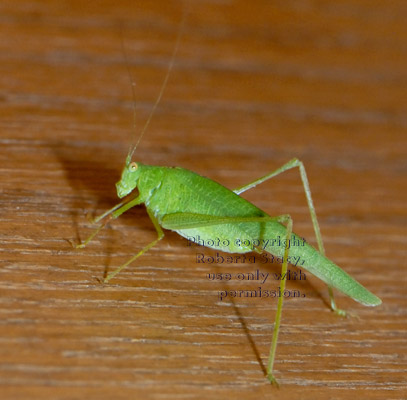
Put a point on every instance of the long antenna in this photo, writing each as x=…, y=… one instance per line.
x=163, y=86
x=132, y=81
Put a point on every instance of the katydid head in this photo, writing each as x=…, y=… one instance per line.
x=129, y=179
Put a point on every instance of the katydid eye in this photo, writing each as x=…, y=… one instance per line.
x=133, y=166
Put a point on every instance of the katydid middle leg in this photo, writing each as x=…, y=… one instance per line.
x=160, y=234
x=292, y=164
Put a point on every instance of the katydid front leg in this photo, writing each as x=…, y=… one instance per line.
x=113, y=213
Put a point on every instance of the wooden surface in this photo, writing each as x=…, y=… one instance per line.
x=254, y=85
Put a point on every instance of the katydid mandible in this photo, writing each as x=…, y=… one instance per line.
x=192, y=205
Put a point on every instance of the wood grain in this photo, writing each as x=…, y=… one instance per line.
x=254, y=85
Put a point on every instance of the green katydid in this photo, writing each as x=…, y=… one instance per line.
x=192, y=205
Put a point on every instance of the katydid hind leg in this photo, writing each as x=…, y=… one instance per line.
x=289, y=165
x=277, y=322
x=188, y=220
x=178, y=221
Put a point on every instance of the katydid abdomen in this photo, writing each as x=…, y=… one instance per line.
x=180, y=198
